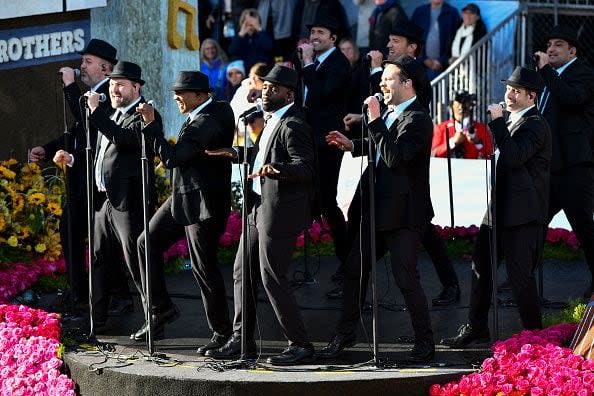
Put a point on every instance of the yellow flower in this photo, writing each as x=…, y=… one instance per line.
x=2, y=223
x=18, y=203
x=12, y=241
x=28, y=248
x=40, y=248
x=7, y=172
x=160, y=171
x=26, y=231
x=172, y=140
x=54, y=208
x=36, y=198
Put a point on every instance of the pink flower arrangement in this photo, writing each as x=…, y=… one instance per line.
x=557, y=235
x=533, y=362
x=21, y=276
x=30, y=353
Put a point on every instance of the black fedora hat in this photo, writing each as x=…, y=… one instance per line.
x=283, y=75
x=325, y=21
x=472, y=8
x=127, y=70
x=191, y=81
x=564, y=33
x=526, y=78
x=405, y=28
x=102, y=49
x=412, y=68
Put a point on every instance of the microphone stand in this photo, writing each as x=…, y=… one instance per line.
x=147, y=244
x=244, y=252
x=90, y=216
x=68, y=186
x=493, y=242
x=372, y=241
x=450, y=186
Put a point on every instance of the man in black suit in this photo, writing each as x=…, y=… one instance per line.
x=199, y=205
x=98, y=59
x=522, y=180
x=280, y=199
x=567, y=103
x=326, y=77
x=402, y=141
x=118, y=222
x=406, y=38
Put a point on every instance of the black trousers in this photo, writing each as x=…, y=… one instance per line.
x=402, y=244
x=203, y=241
x=573, y=192
x=115, y=232
x=329, y=160
x=522, y=248
x=76, y=265
x=269, y=259
x=431, y=241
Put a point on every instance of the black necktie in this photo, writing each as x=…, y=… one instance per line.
x=316, y=64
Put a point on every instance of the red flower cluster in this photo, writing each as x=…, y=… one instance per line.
x=556, y=235
x=21, y=276
x=447, y=232
x=29, y=353
x=532, y=362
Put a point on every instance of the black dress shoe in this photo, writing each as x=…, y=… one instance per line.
x=467, y=335
x=449, y=295
x=423, y=351
x=120, y=307
x=293, y=355
x=336, y=293
x=232, y=349
x=216, y=342
x=336, y=345
x=160, y=319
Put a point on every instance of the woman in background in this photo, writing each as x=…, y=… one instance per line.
x=213, y=62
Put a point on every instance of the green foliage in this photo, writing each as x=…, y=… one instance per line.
x=51, y=283
x=571, y=314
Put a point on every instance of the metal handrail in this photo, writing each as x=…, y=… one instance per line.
x=473, y=72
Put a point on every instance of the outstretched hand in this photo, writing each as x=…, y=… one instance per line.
x=266, y=170
x=339, y=140
x=223, y=152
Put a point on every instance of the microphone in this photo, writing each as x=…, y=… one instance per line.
x=102, y=96
x=152, y=103
x=380, y=98
x=76, y=73
x=503, y=106
x=251, y=111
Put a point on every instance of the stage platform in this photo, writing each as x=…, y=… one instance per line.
x=122, y=367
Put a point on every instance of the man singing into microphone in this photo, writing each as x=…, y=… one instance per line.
x=98, y=59
x=522, y=200
x=402, y=142
x=199, y=205
x=119, y=221
x=283, y=166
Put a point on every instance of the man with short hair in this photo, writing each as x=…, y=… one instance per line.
x=402, y=140
x=119, y=221
x=281, y=189
x=567, y=103
x=326, y=79
x=98, y=59
x=198, y=206
x=522, y=179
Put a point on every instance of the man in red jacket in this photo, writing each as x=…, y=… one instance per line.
x=467, y=138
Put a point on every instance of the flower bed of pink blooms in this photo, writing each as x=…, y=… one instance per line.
x=530, y=363
x=30, y=353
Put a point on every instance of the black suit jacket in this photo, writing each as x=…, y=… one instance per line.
x=523, y=166
x=327, y=95
x=286, y=197
x=122, y=160
x=77, y=141
x=570, y=114
x=402, y=198
x=201, y=184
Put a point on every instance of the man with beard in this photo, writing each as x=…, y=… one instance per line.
x=98, y=59
x=279, y=202
x=118, y=222
x=198, y=206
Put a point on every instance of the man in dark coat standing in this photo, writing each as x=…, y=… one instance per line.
x=567, y=103
x=118, y=222
x=199, y=205
x=281, y=191
x=402, y=141
x=98, y=59
x=522, y=180
x=326, y=82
